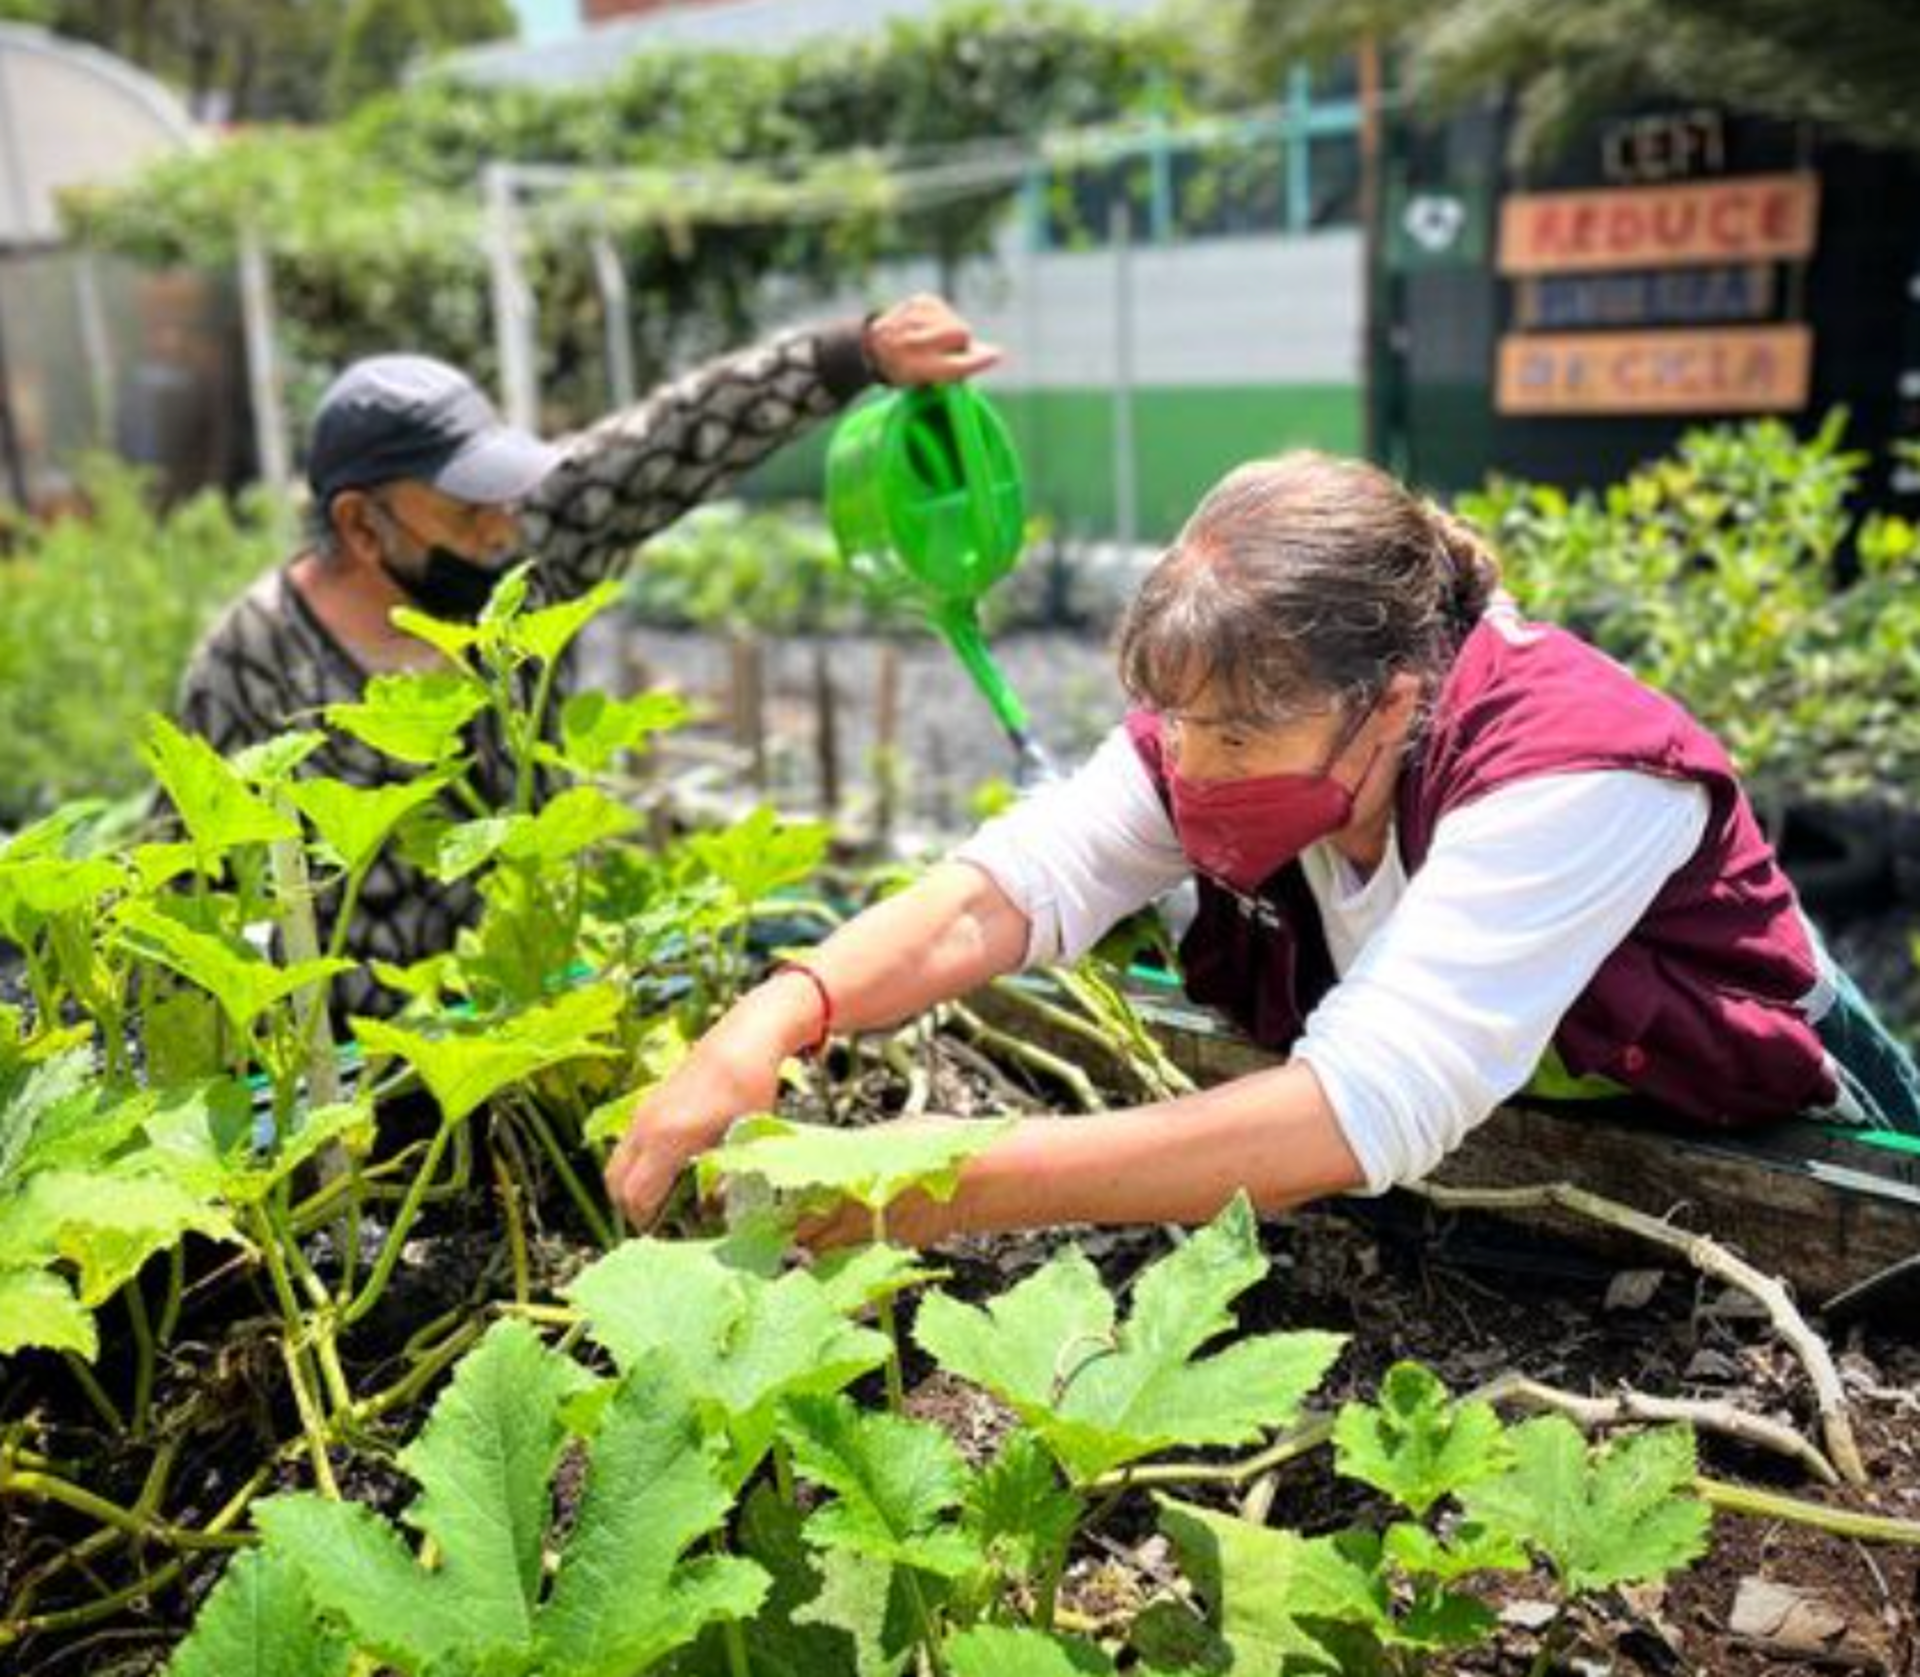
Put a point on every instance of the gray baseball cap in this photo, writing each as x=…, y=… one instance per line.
x=410, y=416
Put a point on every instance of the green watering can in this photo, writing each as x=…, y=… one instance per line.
x=926, y=503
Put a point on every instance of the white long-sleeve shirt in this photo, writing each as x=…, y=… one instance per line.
x=1451, y=983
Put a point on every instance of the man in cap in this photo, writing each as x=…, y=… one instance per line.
x=423, y=497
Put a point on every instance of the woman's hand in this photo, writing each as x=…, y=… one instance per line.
x=735, y=1070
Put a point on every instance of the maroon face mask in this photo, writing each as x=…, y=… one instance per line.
x=1242, y=832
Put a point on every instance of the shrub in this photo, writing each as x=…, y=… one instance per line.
x=97, y=617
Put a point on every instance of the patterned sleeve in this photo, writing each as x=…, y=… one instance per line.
x=638, y=470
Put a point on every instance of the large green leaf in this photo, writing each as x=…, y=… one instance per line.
x=216, y=805
x=203, y=1137
x=1277, y=1599
x=89, y=1129
x=452, y=640
x=1619, y=1514
x=362, y=1575
x=1415, y=1444
x=483, y=1463
x=872, y=1167
x=244, y=982
x=259, y=1622
x=107, y=1224
x=1004, y=1651
x=463, y=1071
x=578, y=818
x=30, y=1094
x=1103, y=1394
x=739, y=1341
x=595, y=728
x=355, y=821
x=895, y=1481
x=37, y=1308
x=620, y=1599
x=760, y=853
x=548, y=632
x=415, y=716
x=623, y=1598
x=34, y=890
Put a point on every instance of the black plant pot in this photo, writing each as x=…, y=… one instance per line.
x=1838, y=855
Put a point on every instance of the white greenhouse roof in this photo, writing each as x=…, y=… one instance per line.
x=71, y=115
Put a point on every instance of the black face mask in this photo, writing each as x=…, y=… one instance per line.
x=447, y=586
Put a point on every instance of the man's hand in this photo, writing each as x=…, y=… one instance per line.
x=922, y=341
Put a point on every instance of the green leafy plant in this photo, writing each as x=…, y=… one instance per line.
x=1717, y=574
x=1100, y=1392
x=621, y=1597
x=125, y=589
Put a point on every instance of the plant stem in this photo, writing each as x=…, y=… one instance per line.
x=143, y=1364
x=734, y=1634
x=890, y=1326
x=595, y=1218
x=95, y=1393
x=383, y=1265
x=176, y=1292
x=929, y=1632
x=1770, y=1505
x=509, y=1191
x=45, y=1487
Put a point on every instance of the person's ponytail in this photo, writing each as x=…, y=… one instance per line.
x=1472, y=569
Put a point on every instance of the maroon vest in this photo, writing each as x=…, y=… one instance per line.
x=1699, y=1008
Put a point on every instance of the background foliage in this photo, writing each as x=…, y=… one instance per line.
x=96, y=620
x=377, y=219
x=1851, y=67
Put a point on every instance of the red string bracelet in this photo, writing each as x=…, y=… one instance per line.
x=817, y=1047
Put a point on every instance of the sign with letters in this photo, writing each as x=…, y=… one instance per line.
x=1742, y=219
x=1730, y=370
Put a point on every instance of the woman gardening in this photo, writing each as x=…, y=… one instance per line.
x=1441, y=853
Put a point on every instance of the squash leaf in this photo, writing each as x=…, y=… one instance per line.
x=463, y=1071
x=215, y=804
x=872, y=1167
x=894, y=1482
x=1620, y=1514
x=414, y=716
x=244, y=982
x=355, y=821
x=1003, y=1651
x=37, y=1308
x=739, y=1340
x=1102, y=1394
x=1416, y=1445
x=621, y=1598
x=259, y=1622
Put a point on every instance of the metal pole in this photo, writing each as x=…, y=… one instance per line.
x=1126, y=511
x=275, y=455
x=615, y=305
x=512, y=306
x=94, y=345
